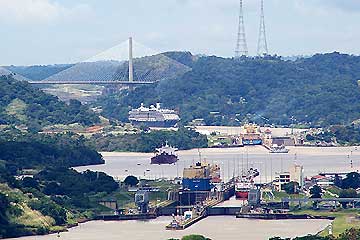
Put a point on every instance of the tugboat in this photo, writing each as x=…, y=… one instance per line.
x=165, y=155
x=278, y=149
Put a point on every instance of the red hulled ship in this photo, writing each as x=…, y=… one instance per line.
x=165, y=155
x=245, y=183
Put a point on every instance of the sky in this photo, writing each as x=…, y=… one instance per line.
x=66, y=31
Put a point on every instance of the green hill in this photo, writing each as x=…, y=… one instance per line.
x=320, y=90
x=22, y=104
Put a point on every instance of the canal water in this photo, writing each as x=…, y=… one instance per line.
x=233, y=160
x=216, y=228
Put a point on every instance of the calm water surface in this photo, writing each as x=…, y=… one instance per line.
x=216, y=228
x=233, y=160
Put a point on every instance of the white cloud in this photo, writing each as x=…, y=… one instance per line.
x=35, y=11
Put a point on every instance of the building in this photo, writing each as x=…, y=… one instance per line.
x=297, y=174
x=322, y=181
x=281, y=179
x=267, y=138
x=283, y=141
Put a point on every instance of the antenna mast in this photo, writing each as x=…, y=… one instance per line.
x=262, y=43
x=241, y=45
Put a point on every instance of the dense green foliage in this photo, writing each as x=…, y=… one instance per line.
x=321, y=90
x=147, y=142
x=316, y=191
x=54, y=192
x=346, y=134
x=70, y=182
x=342, y=134
x=351, y=181
x=20, y=103
x=292, y=188
x=131, y=181
x=4, y=205
x=21, y=151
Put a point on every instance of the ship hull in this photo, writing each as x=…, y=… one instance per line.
x=164, y=159
x=274, y=151
x=252, y=142
x=242, y=195
x=195, y=184
x=165, y=124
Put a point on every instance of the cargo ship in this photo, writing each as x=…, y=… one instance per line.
x=252, y=135
x=154, y=116
x=200, y=177
x=165, y=155
x=245, y=183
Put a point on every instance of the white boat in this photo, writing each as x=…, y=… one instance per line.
x=278, y=149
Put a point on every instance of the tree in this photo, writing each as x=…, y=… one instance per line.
x=4, y=204
x=352, y=180
x=338, y=181
x=29, y=182
x=347, y=193
x=291, y=188
x=131, y=181
x=316, y=191
x=53, y=188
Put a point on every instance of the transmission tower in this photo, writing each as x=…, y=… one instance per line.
x=241, y=46
x=262, y=43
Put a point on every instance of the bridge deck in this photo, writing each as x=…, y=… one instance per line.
x=92, y=82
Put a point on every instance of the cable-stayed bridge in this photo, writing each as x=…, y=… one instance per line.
x=111, y=67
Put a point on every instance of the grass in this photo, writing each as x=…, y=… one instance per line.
x=344, y=219
x=280, y=195
x=21, y=212
x=33, y=218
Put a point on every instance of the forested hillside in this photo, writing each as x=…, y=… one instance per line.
x=321, y=90
x=25, y=150
x=55, y=195
x=38, y=72
x=20, y=103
